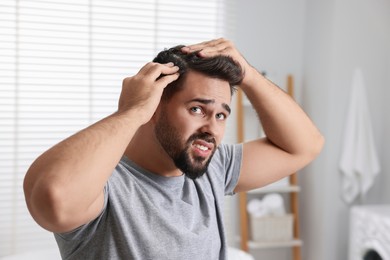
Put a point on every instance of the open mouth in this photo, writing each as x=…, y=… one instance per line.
x=202, y=148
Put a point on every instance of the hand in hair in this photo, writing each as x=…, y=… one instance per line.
x=143, y=91
x=217, y=47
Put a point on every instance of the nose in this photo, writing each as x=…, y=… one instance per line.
x=211, y=127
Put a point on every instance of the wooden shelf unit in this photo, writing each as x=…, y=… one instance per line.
x=269, y=189
x=264, y=245
x=292, y=189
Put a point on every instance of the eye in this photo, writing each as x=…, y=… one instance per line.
x=220, y=116
x=196, y=110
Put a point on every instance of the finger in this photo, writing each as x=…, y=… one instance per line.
x=146, y=68
x=224, y=49
x=151, y=65
x=167, y=79
x=167, y=72
x=168, y=69
x=203, y=45
x=155, y=70
x=213, y=51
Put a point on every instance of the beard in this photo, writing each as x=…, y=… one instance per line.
x=172, y=142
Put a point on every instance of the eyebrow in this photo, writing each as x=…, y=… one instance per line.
x=210, y=101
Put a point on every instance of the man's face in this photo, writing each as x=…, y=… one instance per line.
x=191, y=125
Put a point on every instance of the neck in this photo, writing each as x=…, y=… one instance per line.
x=146, y=151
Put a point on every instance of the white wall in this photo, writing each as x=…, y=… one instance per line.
x=356, y=35
x=270, y=34
x=321, y=43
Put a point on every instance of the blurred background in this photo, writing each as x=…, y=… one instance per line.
x=62, y=64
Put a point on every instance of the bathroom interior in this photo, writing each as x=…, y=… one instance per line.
x=328, y=47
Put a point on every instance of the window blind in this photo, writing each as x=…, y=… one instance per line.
x=62, y=63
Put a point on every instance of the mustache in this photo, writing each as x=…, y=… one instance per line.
x=203, y=136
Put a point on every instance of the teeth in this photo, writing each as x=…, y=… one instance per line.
x=201, y=147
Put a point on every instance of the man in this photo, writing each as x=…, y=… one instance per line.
x=164, y=198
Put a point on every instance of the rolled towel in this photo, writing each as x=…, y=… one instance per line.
x=256, y=208
x=274, y=203
x=271, y=205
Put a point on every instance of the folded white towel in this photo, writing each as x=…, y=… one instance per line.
x=257, y=209
x=271, y=205
x=274, y=202
x=359, y=161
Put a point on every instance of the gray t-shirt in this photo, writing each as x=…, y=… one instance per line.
x=148, y=216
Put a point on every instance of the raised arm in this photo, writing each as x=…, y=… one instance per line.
x=292, y=140
x=64, y=186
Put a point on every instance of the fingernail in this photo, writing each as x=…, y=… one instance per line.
x=200, y=53
x=170, y=64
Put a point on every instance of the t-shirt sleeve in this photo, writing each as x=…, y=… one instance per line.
x=72, y=240
x=229, y=158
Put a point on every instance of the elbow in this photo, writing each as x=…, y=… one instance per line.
x=45, y=206
x=320, y=144
x=316, y=146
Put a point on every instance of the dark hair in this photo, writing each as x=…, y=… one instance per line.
x=221, y=67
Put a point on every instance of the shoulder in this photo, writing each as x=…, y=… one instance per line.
x=225, y=167
x=226, y=153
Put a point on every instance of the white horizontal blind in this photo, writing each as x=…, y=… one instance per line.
x=61, y=67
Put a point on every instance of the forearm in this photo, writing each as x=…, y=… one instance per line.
x=69, y=177
x=285, y=124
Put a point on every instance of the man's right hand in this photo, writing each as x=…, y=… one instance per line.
x=143, y=91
